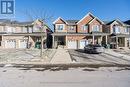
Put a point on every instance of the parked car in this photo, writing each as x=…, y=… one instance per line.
x=93, y=48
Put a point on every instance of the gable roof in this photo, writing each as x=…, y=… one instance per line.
x=96, y=19
x=86, y=16
x=117, y=20
x=59, y=19
x=75, y=22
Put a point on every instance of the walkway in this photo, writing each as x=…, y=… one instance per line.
x=61, y=56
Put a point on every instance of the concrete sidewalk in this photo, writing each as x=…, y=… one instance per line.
x=61, y=56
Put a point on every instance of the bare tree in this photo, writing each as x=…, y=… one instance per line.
x=33, y=14
x=43, y=16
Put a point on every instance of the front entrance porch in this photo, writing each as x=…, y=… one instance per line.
x=59, y=41
x=119, y=42
x=99, y=39
x=78, y=41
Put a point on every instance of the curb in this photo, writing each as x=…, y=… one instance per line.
x=69, y=65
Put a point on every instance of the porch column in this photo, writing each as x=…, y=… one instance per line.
x=129, y=41
x=129, y=38
x=66, y=41
x=106, y=39
x=93, y=39
x=2, y=42
x=101, y=40
x=116, y=42
x=125, y=42
x=53, y=41
x=28, y=42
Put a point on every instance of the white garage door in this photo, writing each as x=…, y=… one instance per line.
x=83, y=43
x=72, y=44
x=10, y=44
x=22, y=43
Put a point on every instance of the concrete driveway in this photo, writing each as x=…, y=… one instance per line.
x=108, y=57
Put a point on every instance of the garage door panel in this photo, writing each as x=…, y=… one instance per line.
x=72, y=44
x=83, y=43
x=22, y=43
x=10, y=44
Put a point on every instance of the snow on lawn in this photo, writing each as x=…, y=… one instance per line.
x=19, y=55
x=118, y=55
x=78, y=77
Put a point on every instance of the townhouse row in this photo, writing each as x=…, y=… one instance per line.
x=70, y=34
x=14, y=34
x=75, y=34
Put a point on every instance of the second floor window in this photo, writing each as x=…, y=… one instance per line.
x=10, y=29
x=126, y=30
x=84, y=27
x=30, y=29
x=95, y=28
x=24, y=30
x=116, y=29
x=60, y=27
x=71, y=28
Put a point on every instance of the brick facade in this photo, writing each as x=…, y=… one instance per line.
x=89, y=20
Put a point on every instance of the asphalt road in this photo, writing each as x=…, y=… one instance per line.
x=73, y=77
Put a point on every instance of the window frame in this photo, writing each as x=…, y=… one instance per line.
x=84, y=27
x=71, y=28
x=57, y=28
x=127, y=30
x=97, y=27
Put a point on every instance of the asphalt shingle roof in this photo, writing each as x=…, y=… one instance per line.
x=127, y=22
x=110, y=22
x=72, y=22
x=8, y=22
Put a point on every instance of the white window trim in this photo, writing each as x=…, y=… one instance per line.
x=117, y=30
x=58, y=25
x=96, y=26
x=71, y=28
x=126, y=30
x=10, y=29
x=85, y=27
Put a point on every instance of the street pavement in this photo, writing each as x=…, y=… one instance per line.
x=73, y=77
